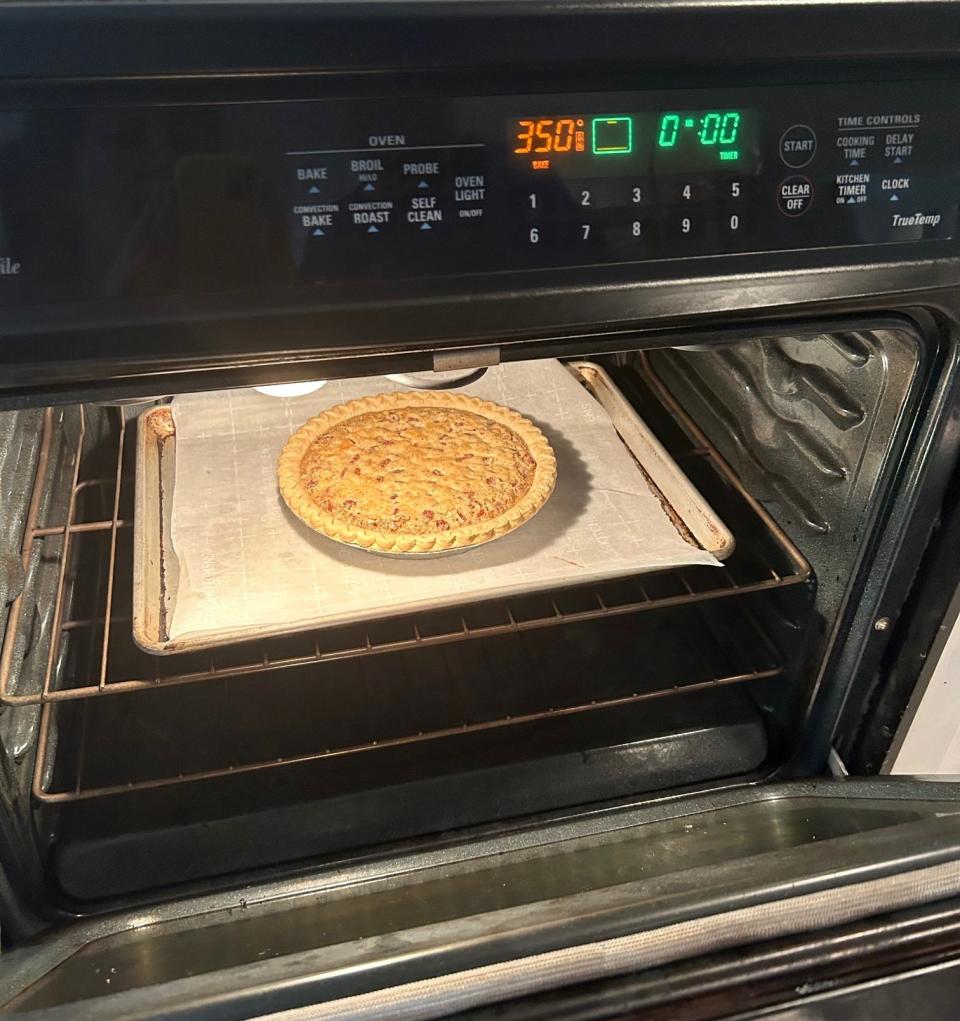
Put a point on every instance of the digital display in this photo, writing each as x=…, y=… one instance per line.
x=549, y=135
x=611, y=136
x=671, y=141
x=542, y=136
x=714, y=127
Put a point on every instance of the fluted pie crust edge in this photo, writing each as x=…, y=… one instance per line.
x=299, y=500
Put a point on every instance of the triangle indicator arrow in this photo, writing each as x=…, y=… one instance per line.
x=898, y=160
x=313, y=190
x=373, y=229
x=894, y=198
x=425, y=226
x=854, y=163
x=368, y=187
x=318, y=233
x=423, y=184
x=851, y=201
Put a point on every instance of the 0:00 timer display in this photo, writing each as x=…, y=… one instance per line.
x=712, y=128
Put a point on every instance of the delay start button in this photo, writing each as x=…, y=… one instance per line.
x=794, y=195
x=798, y=145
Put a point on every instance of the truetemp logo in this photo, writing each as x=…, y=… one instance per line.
x=916, y=220
x=9, y=267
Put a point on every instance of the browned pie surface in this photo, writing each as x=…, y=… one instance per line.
x=417, y=470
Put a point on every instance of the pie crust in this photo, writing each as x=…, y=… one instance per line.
x=467, y=471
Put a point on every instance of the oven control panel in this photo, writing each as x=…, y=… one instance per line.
x=113, y=201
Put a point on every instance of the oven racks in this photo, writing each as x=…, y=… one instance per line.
x=103, y=545
x=106, y=747
x=90, y=652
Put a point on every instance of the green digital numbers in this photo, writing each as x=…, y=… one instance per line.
x=710, y=127
x=669, y=130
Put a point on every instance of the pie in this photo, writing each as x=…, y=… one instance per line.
x=416, y=472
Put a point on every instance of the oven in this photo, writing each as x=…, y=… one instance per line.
x=245, y=776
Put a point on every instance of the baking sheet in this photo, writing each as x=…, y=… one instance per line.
x=247, y=565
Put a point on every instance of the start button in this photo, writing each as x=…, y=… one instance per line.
x=794, y=195
x=798, y=145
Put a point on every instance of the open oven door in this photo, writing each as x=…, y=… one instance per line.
x=709, y=906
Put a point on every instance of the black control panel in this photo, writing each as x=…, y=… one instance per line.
x=112, y=201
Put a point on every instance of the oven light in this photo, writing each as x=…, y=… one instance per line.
x=291, y=389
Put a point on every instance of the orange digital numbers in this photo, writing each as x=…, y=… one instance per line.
x=524, y=137
x=549, y=135
x=544, y=133
x=563, y=137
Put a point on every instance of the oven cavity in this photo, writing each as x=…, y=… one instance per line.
x=146, y=771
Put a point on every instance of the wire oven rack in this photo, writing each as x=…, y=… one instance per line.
x=91, y=653
x=461, y=700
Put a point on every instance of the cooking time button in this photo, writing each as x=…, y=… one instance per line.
x=798, y=146
x=794, y=195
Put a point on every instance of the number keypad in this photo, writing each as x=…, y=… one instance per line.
x=688, y=190
x=632, y=234
x=610, y=193
x=684, y=224
x=540, y=201
x=635, y=218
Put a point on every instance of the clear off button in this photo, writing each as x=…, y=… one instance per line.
x=798, y=145
x=794, y=195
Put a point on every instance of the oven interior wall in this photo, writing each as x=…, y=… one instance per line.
x=809, y=425
x=153, y=772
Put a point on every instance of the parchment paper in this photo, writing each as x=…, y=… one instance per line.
x=246, y=561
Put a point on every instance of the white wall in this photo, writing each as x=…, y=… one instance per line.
x=928, y=739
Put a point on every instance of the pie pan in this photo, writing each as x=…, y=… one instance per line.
x=380, y=412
